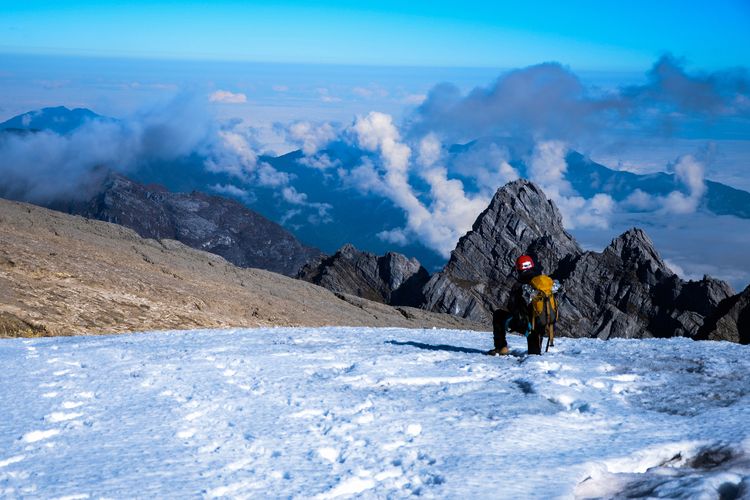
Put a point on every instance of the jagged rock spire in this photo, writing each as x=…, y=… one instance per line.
x=625, y=291
x=519, y=220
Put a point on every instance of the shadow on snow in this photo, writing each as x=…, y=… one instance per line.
x=440, y=347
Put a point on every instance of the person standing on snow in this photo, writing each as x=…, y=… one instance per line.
x=531, y=309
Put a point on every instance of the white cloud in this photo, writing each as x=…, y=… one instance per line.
x=396, y=236
x=269, y=176
x=377, y=133
x=548, y=168
x=487, y=165
x=597, y=211
x=292, y=196
x=155, y=86
x=290, y=214
x=46, y=166
x=321, y=162
x=640, y=200
x=326, y=96
x=688, y=172
x=231, y=190
x=312, y=137
x=362, y=92
x=364, y=177
x=430, y=150
x=227, y=97
x=233, y=154
x=414, y=99
x=370, y=92
x=449, y=213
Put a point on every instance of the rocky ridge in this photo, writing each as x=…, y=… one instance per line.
x=730, y=321
x=628, y=291
x=480, y=272
x=391, y=279
x=625, y=291
x=212, y=223
x=65, y=275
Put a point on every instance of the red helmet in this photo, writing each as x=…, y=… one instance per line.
x=524, y=263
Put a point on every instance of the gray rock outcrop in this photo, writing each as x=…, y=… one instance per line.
x=210, y=223
x=730, y=321
x=391, y=279
x=480, y=272
x=625, y=291
x=628, y=291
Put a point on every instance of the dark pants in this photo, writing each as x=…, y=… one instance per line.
x=503, y=320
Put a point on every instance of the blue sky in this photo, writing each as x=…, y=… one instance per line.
x=585, y=35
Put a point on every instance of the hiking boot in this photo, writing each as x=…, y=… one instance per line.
x=503, y=351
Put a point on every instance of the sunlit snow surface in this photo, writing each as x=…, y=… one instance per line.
x=370, y=412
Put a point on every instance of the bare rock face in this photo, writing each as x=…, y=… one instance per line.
x=730, y=321
x=13, y=326
x=519, y=220
x=391, y=279
x=66, y=275
x=210, y=223
x=628, y=291
x=625, y=291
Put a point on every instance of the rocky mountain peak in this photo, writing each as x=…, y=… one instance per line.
x=348, y=250
x=625, y=291
x=392, y=278
x=210, y=223
x=636, y=252
x=519, y=220
x=635, y=248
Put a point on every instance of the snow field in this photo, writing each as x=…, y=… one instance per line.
x=340, y=412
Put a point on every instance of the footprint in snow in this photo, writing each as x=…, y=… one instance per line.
x=526, y=386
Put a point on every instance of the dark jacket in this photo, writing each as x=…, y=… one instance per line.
x=517, y=304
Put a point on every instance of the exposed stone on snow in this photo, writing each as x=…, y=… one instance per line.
x=211, y=223
x=392, y=278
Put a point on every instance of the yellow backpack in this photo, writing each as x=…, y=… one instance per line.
x=542, y=305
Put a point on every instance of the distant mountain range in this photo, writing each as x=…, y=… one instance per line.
x=357, y=218
x=211, y=223
x=627, y=290
x=58, y=119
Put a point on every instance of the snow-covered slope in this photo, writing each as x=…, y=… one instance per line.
x=380, y=412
